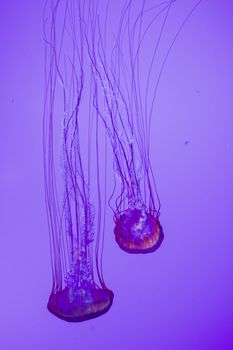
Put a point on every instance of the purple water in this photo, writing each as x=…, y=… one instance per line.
x=179, y=297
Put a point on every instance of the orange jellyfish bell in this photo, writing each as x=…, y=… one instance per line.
x=138, y=231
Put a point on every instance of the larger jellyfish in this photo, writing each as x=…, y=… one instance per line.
x=124, y=70
x=79, y=291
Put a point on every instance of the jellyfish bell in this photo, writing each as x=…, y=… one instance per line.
x=138, y=231
x=79, y=305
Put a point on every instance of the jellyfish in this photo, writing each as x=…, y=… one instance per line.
x=78, y=291
x=127, y=64
x=125, y=106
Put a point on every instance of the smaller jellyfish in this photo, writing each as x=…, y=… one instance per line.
x=126, y=71
x=138, y=231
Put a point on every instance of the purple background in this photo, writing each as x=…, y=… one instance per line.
x=180, y=297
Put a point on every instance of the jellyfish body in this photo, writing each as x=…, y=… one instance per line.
x=79, y=291
x=80, y=305
x=125, y=72
x=138, y=231
x=80, y=298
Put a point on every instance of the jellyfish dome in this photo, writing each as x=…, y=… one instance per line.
x=80, y=305
x=138, y=231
